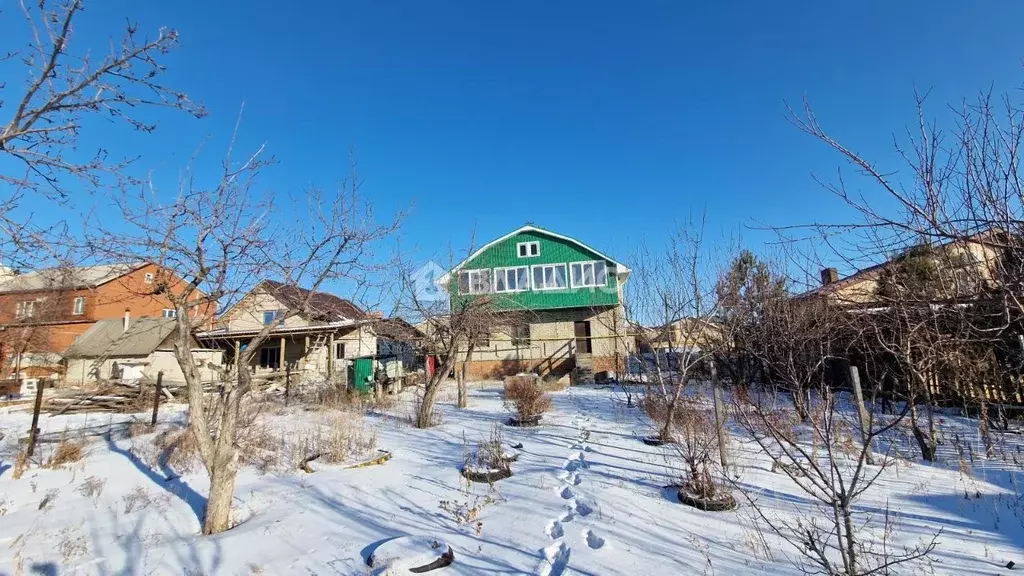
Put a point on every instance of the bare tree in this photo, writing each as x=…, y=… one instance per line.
x=220, y=239
x=453, y=325
x=60, y=88
x=677, y=290
x=825, y=458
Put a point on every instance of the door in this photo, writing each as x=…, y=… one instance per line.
x=582, y=330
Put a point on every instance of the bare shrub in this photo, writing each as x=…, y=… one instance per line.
x=338, y=441
x=139, y=428
x=71, y=544
x=525, y=397
x=92, y=487
x=697, y=445
x=20, y=464
x=490, y=453
x=137, y=499
x=48, y=499
x=177, y=449
x=3, y=505
x=657, y=407
x=67, y=452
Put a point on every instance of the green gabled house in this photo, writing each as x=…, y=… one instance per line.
x=567, y=298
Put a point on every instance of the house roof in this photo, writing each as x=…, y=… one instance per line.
x=108, y=338
x=396, y=328
x=620, y=268
x=322, y=305
x=64, y=278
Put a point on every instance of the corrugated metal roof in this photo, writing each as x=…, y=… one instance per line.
x=108, y=338
x=65, y=278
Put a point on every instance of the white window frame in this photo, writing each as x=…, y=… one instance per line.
x=504, y=271
x=533, y=283
x=169, y=313
x=470, y=283
x=577, y=283
x=532, y=249
x=148, y=278
x=78, y=308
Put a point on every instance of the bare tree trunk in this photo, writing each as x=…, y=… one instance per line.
x=925, y=443
x=460, y=378
x=222, y=489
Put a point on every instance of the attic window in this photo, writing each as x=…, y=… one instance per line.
x=170, y=313
x=528, y=249
x=148, y=279
x=269, y=316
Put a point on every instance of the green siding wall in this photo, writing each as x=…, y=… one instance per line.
x=552, y=251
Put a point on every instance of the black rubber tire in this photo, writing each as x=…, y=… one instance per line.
x=721, y=505
x=655, y=441
x=485, y=477
x=526, y=422
x=446, y=559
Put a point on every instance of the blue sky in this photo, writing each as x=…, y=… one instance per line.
x=607, y=121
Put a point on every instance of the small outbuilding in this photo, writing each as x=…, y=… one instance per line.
x=132, y=351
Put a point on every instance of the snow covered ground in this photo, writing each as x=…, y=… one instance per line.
x=586, y=498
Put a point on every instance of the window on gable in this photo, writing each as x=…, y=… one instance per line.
x=589, y=274
x=170, y=313
x=79, y=306
x=148, y=279
x=269, y=316
x=528, y=249
x=475, y=281
x=549, y=277
x=511, y=279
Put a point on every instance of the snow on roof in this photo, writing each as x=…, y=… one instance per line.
x=66, y=277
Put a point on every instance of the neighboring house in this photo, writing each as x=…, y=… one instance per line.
x=568, y=302
x=134, y=350
x=320, y=341
x=43, y=312
x=976, y=258
x=681, y=335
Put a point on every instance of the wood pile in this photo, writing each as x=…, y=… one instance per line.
x=105, y=397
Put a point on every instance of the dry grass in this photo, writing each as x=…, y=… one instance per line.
x=525, y=397
x=92, y=487
x=67, y=452
x=137, y=499
x=177, y=449
x=139, y=428
x=20, y=464
x=48, y=499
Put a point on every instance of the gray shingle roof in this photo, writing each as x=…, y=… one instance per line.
x=108, y=338
x=66, y=278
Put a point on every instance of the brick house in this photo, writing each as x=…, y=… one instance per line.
x=43, y=312
x=570, y=295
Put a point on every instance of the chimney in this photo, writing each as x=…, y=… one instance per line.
x=829, y=276
x=127, y=319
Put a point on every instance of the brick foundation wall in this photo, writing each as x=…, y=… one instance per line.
x=498, y=369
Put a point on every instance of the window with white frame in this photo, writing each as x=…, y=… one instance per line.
x=148, y=278
x=269, y=316
x=25, y=309
x=589, y=274
x=79, y=307
x=549, y=277
x=475, y=281
x=528, y=249
x=514, y=279
x=339, y=350
x=170, y=313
